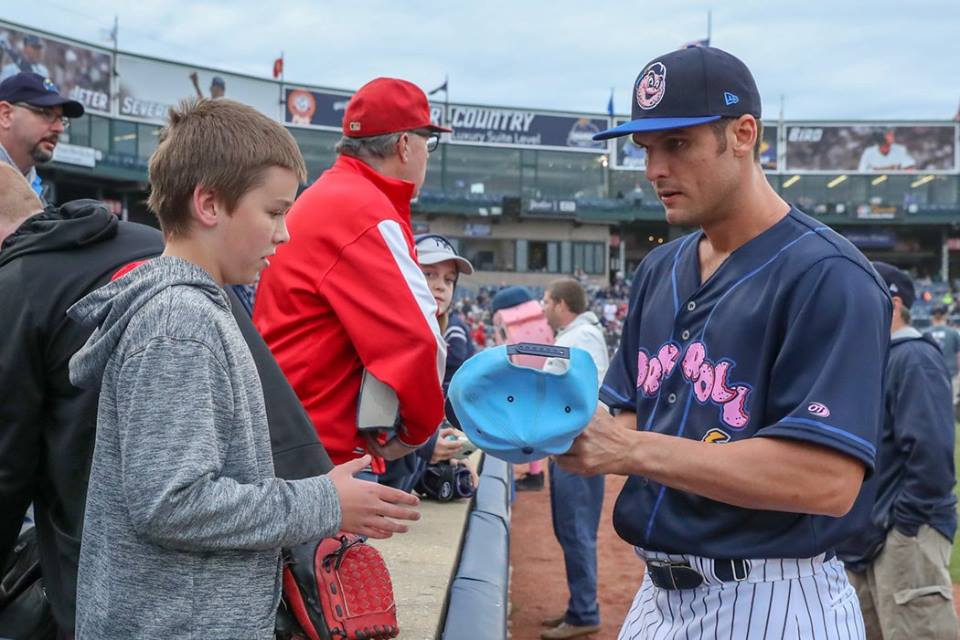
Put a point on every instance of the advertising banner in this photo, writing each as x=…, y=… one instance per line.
x=148, y=88
x=871, y=148
x=499, y=127
x=80, y=72
x=629, y=157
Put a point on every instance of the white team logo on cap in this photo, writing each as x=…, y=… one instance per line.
x=651, y=86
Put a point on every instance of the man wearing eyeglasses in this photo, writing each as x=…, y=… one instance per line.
x=33, y=115
x=346, y=294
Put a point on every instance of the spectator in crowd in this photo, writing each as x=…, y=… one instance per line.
x=898, y=565
x=506, y=298
x=442, y=267
x=346, y=295
x=575, y=501
x=480, y=336
x=33, y=115
x=186, y=515
x=948, y=339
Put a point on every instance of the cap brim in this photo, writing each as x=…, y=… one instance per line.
x=653, y=124
x=463, y=265
x=438, y=128
x=71, y=108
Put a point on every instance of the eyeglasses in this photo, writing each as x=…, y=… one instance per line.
x=433, y=139
x=47, y=114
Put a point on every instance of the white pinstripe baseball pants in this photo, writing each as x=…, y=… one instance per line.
x=806, y=599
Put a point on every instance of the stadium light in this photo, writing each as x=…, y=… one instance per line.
x=919, y=182
x=878, y=180
x=789, y=182
x=836, y=181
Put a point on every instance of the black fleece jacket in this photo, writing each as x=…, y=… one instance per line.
x=46, y=425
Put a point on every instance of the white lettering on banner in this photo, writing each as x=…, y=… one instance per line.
x=89, y=98
x=805, y=134
x=493, y=119
x=143, y=109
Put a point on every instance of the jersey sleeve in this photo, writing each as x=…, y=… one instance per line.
x=382, y=300
x=826, y=381
x=619, y=387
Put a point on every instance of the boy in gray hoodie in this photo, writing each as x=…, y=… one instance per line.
x=184, y=518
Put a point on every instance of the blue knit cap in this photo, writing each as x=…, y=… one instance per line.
x=509, y=297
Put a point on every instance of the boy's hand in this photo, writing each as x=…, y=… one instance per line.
x=367, y=508
x=445, y=449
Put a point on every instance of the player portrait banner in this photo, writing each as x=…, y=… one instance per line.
x=148, y=88
x=79, y=71
x=499, y=127
x=858, y=148
x=629, y=157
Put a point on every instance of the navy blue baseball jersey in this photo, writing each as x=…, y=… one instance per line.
x=787, y=339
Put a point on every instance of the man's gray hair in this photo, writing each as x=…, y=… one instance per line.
x=382, y=146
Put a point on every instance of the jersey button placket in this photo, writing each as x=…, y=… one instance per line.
x=685, y=335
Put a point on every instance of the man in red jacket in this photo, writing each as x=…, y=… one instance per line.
x=346, y=294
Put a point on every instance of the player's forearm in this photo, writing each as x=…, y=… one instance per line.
x=757, y=473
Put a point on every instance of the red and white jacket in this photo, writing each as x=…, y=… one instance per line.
x=347, y=293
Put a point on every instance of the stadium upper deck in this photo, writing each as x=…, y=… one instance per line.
x=523, y=191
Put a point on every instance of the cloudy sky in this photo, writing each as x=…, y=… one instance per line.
x=838, y=59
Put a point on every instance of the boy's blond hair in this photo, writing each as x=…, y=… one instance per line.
x=219, y=144
x=17, y=200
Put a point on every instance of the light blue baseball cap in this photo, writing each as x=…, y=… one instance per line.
x=520, y=414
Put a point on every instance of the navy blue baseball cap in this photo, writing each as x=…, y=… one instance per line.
x=898, y=282
x=509, y=297
x=521, y=414
x=688, y=87
x=37, y=91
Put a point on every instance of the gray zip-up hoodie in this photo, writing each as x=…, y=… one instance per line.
x=184, y=517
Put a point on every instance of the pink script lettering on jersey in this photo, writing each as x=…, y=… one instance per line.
x=710, y=381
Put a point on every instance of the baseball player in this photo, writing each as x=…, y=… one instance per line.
x=745, y=396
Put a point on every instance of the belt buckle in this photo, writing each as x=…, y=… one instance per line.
x=743, y=565
x=668, y=567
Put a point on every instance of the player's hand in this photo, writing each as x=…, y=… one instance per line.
x=445, y=449
x=393, y=449
x=367, y=508
x=603, y=447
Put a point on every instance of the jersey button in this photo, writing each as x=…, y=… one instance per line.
x=691, y=305
x=672, y=398
x=685, y=334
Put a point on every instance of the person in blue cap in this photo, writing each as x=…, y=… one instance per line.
x=747, y=387
x=575, y=501
x=899, y=562
x=512, y=296
x=33, y=116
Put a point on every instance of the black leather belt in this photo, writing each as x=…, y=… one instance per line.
x=680, y=575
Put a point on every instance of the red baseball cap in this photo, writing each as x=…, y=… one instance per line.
x=387, y=105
